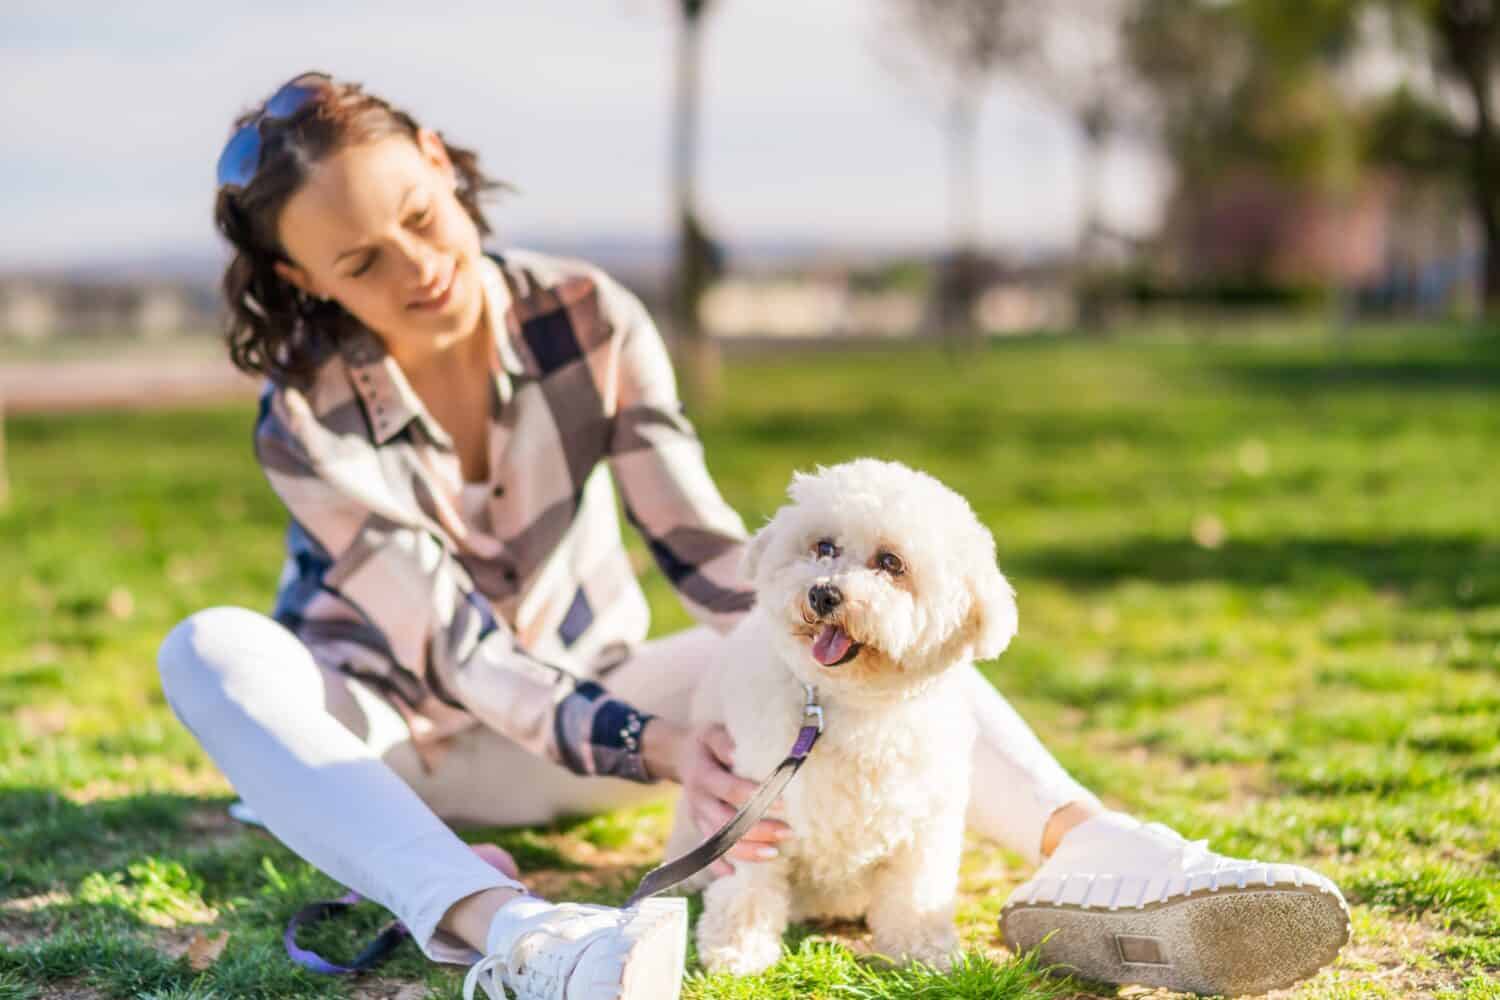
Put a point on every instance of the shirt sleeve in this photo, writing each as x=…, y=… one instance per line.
x=657, y=459
x=388, y=602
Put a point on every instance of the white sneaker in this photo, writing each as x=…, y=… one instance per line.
x=577, y=952
x=1127, y=902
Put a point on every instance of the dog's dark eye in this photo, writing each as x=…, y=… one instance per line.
x=825, y=549
x=890, y=563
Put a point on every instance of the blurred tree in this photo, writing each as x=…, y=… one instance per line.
x=963, y=44
x=1249, y=91
x=1239, y=81
x=1417, y=134
x=4, y=479
x=1460, y=39
x=699, y=260
x=1254, y=82
x=1077, y=60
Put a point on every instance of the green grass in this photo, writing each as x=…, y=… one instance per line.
x=1260, y=592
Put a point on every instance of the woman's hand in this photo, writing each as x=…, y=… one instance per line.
x=700, y=759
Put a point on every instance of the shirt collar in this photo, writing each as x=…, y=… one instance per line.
x=505, y=326
x=389, y=400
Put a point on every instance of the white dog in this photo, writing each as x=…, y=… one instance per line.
x=873, y=584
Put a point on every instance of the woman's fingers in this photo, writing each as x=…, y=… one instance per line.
x=747, y=851
x=751, y=850
x=770, y=831
x=762, y=842
x=710, y=815
x=766, y=833
x=715, y=793
x=758, y=844
x=720, y=743
x=736, y=790
x=714, y=778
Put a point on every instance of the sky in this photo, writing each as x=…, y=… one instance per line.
x=115, y=113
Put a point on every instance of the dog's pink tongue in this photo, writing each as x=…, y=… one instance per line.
x=831, y=645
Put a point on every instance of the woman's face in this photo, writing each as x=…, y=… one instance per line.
x=378, y=227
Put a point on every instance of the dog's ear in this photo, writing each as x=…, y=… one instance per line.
x=993, y=615
x=755, y=549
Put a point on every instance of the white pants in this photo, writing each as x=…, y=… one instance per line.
x=329, y=767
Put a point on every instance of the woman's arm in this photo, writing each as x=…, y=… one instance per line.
x=657, y=460
x=378, y=592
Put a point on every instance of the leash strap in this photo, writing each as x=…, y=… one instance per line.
x=390, y=936
x=385, y=942
x=718, y=844
x=658, y=880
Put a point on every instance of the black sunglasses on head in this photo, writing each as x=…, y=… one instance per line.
x=241, y=156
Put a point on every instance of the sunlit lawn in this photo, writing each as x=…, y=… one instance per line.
x=1260, y=593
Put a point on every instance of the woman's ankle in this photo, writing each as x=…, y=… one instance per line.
x=469, y=919
x=1064, y=819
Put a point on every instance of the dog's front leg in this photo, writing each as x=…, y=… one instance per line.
x=744, y=915
x=911, y=908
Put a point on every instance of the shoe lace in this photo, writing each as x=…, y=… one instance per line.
x=498, y=966
x=476, y=977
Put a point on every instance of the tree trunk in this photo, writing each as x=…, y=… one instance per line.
x=4, y=479
x=1467, y=32
x=961, y=278
x=699, y=368
x=1484, y=205
x=1087, y=293
x=685, y=120
x=963, y=171
x=1485, y=189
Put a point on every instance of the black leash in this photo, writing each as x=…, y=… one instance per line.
x=718, y=844
x=658, y=880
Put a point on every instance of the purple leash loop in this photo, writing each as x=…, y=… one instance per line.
x=385, y=942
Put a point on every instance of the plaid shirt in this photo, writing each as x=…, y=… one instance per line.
x=502, y=616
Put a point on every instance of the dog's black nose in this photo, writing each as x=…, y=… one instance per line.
x=824, y=598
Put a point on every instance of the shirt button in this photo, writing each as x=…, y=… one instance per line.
x=510, y=575
x=499, y=491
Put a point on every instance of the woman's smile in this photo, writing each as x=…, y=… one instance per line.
x=441, y=294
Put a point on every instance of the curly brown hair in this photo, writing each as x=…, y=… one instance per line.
x=273, y=328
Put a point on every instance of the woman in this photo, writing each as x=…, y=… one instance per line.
x=458, y=631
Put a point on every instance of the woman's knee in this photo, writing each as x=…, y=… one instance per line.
x=225, y=651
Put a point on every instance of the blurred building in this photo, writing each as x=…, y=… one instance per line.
x=813, y=305
x=1393, y=243
x=38, y=309
x=1035, y=305
x=834, y=302
x=1252, y=227
x=27, y=311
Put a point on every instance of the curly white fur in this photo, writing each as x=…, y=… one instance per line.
x=877, y=811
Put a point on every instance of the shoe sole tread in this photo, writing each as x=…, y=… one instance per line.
x=1229, y=941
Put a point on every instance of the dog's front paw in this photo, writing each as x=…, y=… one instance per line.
x=744, y=915
x=745, y=955
x=934, y=946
